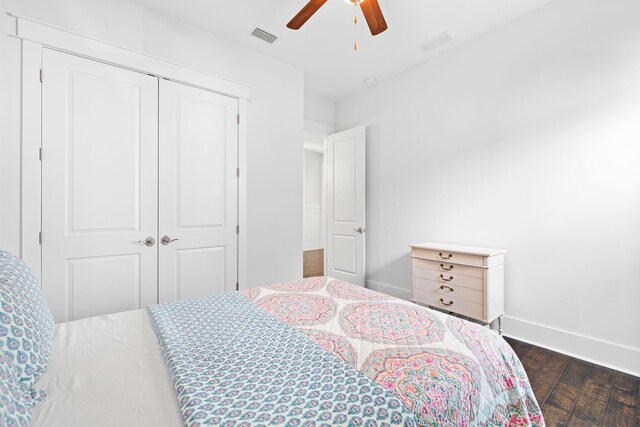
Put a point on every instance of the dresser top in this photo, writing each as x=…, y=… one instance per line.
x=471, y=250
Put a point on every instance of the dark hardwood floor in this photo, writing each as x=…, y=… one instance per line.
x=573, y=392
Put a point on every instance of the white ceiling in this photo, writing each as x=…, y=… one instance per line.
x=323, y=48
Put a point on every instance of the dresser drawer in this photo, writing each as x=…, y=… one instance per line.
x=457, y=305
x=448, y=267
x=446, y=290
x=445, y=256
x=449, y=278
x=466, y=280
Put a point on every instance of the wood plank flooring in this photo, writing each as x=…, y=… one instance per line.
x=313, y=263
x=576, y=393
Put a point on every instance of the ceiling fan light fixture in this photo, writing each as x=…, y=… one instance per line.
x=354, y=2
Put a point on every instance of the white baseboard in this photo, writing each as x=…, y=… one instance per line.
x=611, y=355
x=394, y=291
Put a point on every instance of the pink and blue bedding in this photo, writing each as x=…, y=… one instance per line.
x=234, y=364
x=316, y=352
x=326, y=352
x=26, y=330
x=15, y=396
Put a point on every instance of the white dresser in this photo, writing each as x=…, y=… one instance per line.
x=464, y=280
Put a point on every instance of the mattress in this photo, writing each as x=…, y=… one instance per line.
x=107, y=371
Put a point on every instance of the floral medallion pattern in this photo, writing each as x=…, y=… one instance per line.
x=251, y=293
x=503, y=371
x=438, y=386
x=305, y=285
x=299, y=310
x=390, y=323
x=525, y=412
x=336, y=344
x=446, y=371
x=345, y=290
x=496, y=357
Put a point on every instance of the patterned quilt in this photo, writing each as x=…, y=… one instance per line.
x=447, y=371
x=326, y=352
x=233, y=364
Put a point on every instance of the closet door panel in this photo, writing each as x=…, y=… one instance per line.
x=195, y=267
x=104, y=284
x=103, y=153
x=198, y=192
x=99, y=187
x=200, y=151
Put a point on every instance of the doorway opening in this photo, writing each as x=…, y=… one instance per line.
x=314, y=208
x=334, y=205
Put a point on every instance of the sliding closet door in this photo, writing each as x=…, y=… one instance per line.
x=198, y=192
x=99, y=187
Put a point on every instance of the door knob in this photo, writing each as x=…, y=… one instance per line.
x=165, y=240
x=359, y=230
x=149, y=241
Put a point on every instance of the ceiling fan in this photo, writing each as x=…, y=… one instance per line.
x=370, y=9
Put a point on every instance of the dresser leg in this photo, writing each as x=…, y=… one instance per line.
x=500, y=325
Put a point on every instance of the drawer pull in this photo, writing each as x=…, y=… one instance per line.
x=445, y=279
x=444, y=303
x=445, y=268
x=445, y=257
x=443, y=287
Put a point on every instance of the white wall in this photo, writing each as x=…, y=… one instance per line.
x=275, y=119
x=318, y=109
x=527, y=139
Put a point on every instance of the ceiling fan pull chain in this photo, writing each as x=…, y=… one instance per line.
x=355, y=28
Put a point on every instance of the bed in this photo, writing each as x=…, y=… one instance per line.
x=404, y=364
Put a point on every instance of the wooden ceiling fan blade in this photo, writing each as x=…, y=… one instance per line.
x=374, y=16
x=306, y=13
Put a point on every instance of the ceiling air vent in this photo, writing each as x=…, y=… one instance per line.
x=264, y=36
x=429, y=46
x=443, y=38
x=437, y=41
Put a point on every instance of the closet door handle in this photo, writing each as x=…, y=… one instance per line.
x=149, y=241
x=165, y=240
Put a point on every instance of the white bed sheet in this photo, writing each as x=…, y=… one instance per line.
x=107, y=371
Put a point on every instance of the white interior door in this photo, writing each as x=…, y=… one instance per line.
x=198, y=212
x=346, y=205
x=99, y=187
